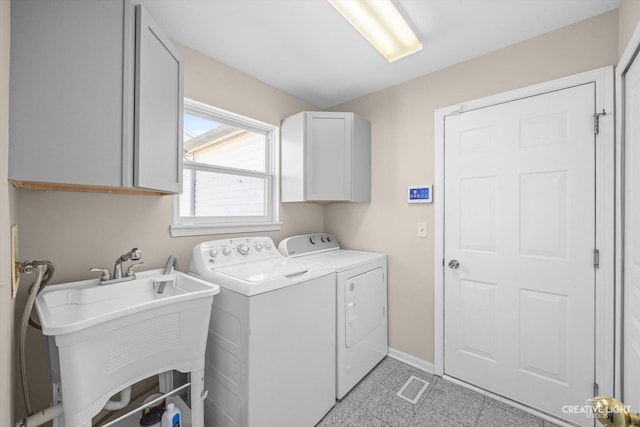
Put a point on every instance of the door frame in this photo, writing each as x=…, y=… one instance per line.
x=626, y=60
x=605, y=350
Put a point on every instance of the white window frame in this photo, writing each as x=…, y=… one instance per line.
x=190, y=226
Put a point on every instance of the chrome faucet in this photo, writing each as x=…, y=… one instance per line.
x=133, y=255
x=106, y=278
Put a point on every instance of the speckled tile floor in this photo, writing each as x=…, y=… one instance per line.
x=374, y=403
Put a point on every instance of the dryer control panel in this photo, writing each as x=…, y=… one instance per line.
x=308, y=243
x=223, y=252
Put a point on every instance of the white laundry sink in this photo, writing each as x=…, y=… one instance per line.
x=74, y=306
x=108, y=337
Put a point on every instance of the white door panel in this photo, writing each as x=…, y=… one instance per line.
x=631, y=370
x=328, y=156
x=519, y=218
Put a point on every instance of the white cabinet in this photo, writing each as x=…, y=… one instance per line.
x=325, y=156
x=95, y=98
x=158, y=108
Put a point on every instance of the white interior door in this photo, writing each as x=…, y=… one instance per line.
x=520, y=221
x=631, y=239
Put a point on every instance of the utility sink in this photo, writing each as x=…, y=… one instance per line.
x=74, y=306
x=104, y=338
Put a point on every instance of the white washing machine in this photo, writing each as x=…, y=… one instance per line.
x=361, y=303
x=270, y=358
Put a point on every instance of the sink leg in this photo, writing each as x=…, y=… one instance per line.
x=197, y=398
x=165, y=382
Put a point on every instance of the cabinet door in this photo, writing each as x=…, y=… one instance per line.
x=158, y=109
x=328, y=156
x=66, y=95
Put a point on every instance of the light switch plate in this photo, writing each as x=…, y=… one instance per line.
x=422, y=229
x=15, y=274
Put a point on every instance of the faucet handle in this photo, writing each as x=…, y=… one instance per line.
x=130, y=272
x=106, y=275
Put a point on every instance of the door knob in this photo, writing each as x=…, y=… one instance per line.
x=612, y=413
x=454, y=264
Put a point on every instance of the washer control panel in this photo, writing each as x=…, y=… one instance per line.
x=307, y=243
x=218, y=253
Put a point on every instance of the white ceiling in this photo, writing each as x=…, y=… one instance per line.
x=307, y=49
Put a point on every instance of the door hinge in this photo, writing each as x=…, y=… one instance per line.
x=596, y=389
x=596, y=121
x=458, y=111
x=596, y=258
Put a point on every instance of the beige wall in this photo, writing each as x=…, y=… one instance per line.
x=403, y=154
x=81, y=230
x=628, y=18
x=6, y=202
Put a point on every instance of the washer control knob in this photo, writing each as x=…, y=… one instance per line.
x=267, y=246
x=226, y=252
x=258, y=247
x=243, y=249
x=322, y=239
x=313, y=240
x=328, y=239
x=213, y=253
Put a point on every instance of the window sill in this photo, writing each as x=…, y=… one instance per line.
x=183, y=230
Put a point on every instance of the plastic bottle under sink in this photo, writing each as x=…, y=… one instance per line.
x=171, y=417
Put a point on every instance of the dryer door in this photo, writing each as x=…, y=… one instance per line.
x=364, y=297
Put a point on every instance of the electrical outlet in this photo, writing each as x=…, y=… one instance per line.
x=15, y=274
x=422, y=229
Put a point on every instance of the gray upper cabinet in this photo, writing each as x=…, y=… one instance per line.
x=95, y=98
x=158, y=108
x=326, y=156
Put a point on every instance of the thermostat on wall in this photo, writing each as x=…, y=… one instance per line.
x=420, y=194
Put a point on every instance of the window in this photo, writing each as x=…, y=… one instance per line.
x=229, y=181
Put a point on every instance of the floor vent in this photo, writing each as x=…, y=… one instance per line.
x=413, y=389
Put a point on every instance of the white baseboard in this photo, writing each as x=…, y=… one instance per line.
x=411, y=360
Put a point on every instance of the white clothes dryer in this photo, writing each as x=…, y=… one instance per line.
x=361, y=303
x=270, y=358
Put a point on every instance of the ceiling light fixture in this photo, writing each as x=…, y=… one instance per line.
x=382, y=25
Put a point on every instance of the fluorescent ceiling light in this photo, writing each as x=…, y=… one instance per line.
x=382, y=25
